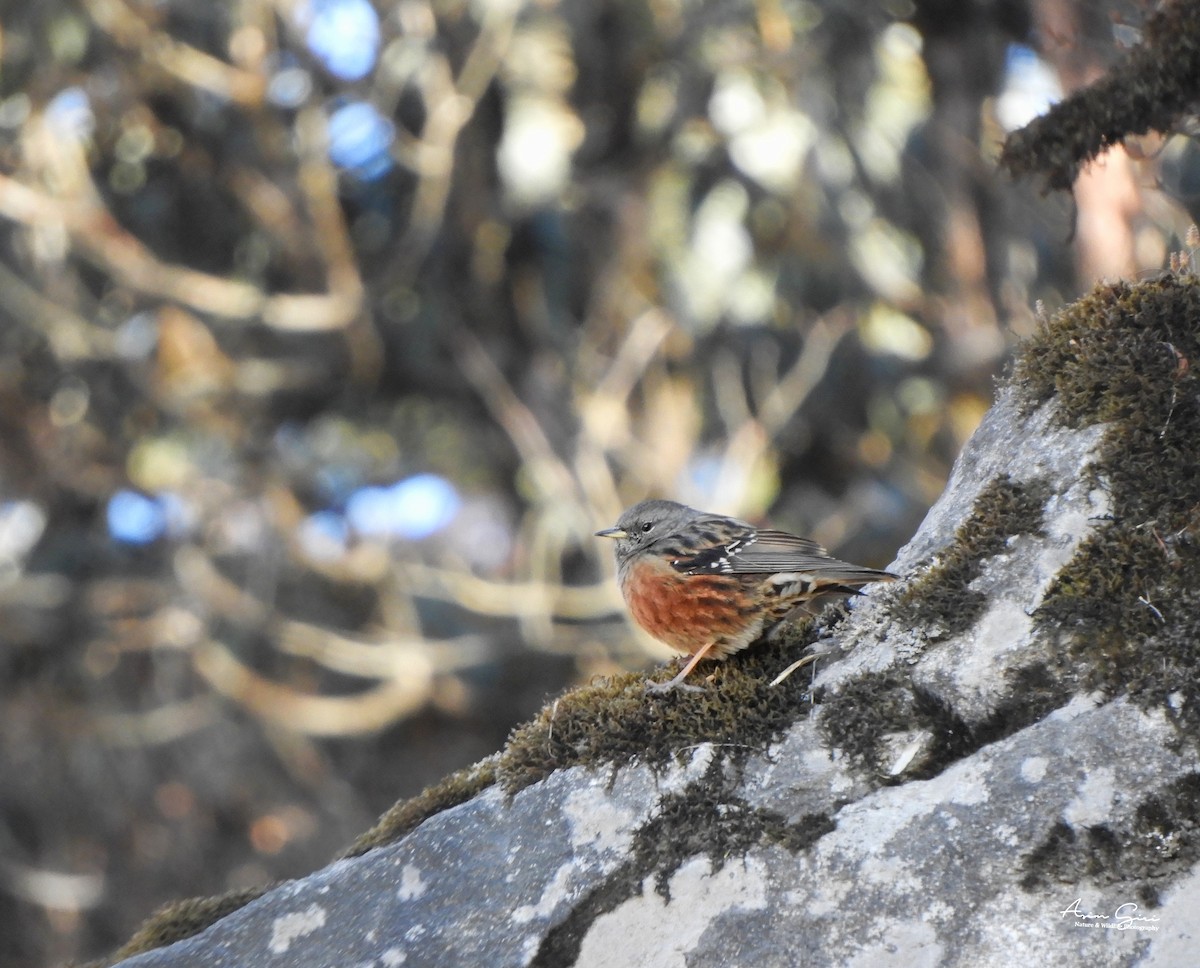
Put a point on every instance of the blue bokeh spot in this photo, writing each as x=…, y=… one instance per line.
x=70, y=113
x=344, y=36
x=136, y=519
x=359, y=139
x=413, y=508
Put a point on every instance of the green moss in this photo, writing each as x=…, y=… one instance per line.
x=1153, y=89
x=709, y=819
x=1125, y=609
x=613, y=721
x=1154, y=844
x=872, y=707
x=1115, y=352
x=867, y=709
x=941, y=601
x=183, y=919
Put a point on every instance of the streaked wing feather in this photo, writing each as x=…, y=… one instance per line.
x=763, y=553
x=782, y=541
x=825, y=568
x=715, y=535
x=778, y=551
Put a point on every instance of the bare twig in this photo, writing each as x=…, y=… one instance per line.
x=514, y=599
x=449, y=103
x=314, y=715
x=99, y=238
x=549, y=474
x=69, y=335
x=181, y=61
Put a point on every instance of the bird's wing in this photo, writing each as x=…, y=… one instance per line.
x=778, y=551
x=781, y=544
x=710, y=544
x=743, y=550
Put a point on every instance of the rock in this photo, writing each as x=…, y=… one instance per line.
x=997, y=764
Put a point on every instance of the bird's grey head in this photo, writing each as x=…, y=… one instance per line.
x=645, y=523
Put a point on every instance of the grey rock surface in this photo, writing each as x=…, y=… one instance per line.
x=929, y=811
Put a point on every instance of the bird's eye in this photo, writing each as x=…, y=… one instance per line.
x=647, y=527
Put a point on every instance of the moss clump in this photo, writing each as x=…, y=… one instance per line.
x=614, y=721
x=861, y=717
x=867, y=709
x=183, y=919
x=1122, y=353
x=1126, y=609
x=1158, y=842
x=941, y=600
x=1151, y=90
x=710, y=819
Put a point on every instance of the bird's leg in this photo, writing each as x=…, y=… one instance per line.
x=677, y=682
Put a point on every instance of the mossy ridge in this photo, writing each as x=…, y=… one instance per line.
x=941, y=602
x=1152, y=845
x=1126, y=606
x=613, y=721
x=179, y=920
x=1152, y=89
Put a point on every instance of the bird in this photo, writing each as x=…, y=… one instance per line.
x=710, y=585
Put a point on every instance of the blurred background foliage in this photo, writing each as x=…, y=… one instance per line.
x=330, y=330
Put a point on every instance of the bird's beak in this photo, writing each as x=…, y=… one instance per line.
x=612, y=533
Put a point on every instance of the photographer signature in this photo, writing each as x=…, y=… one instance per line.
x=1124, y=918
